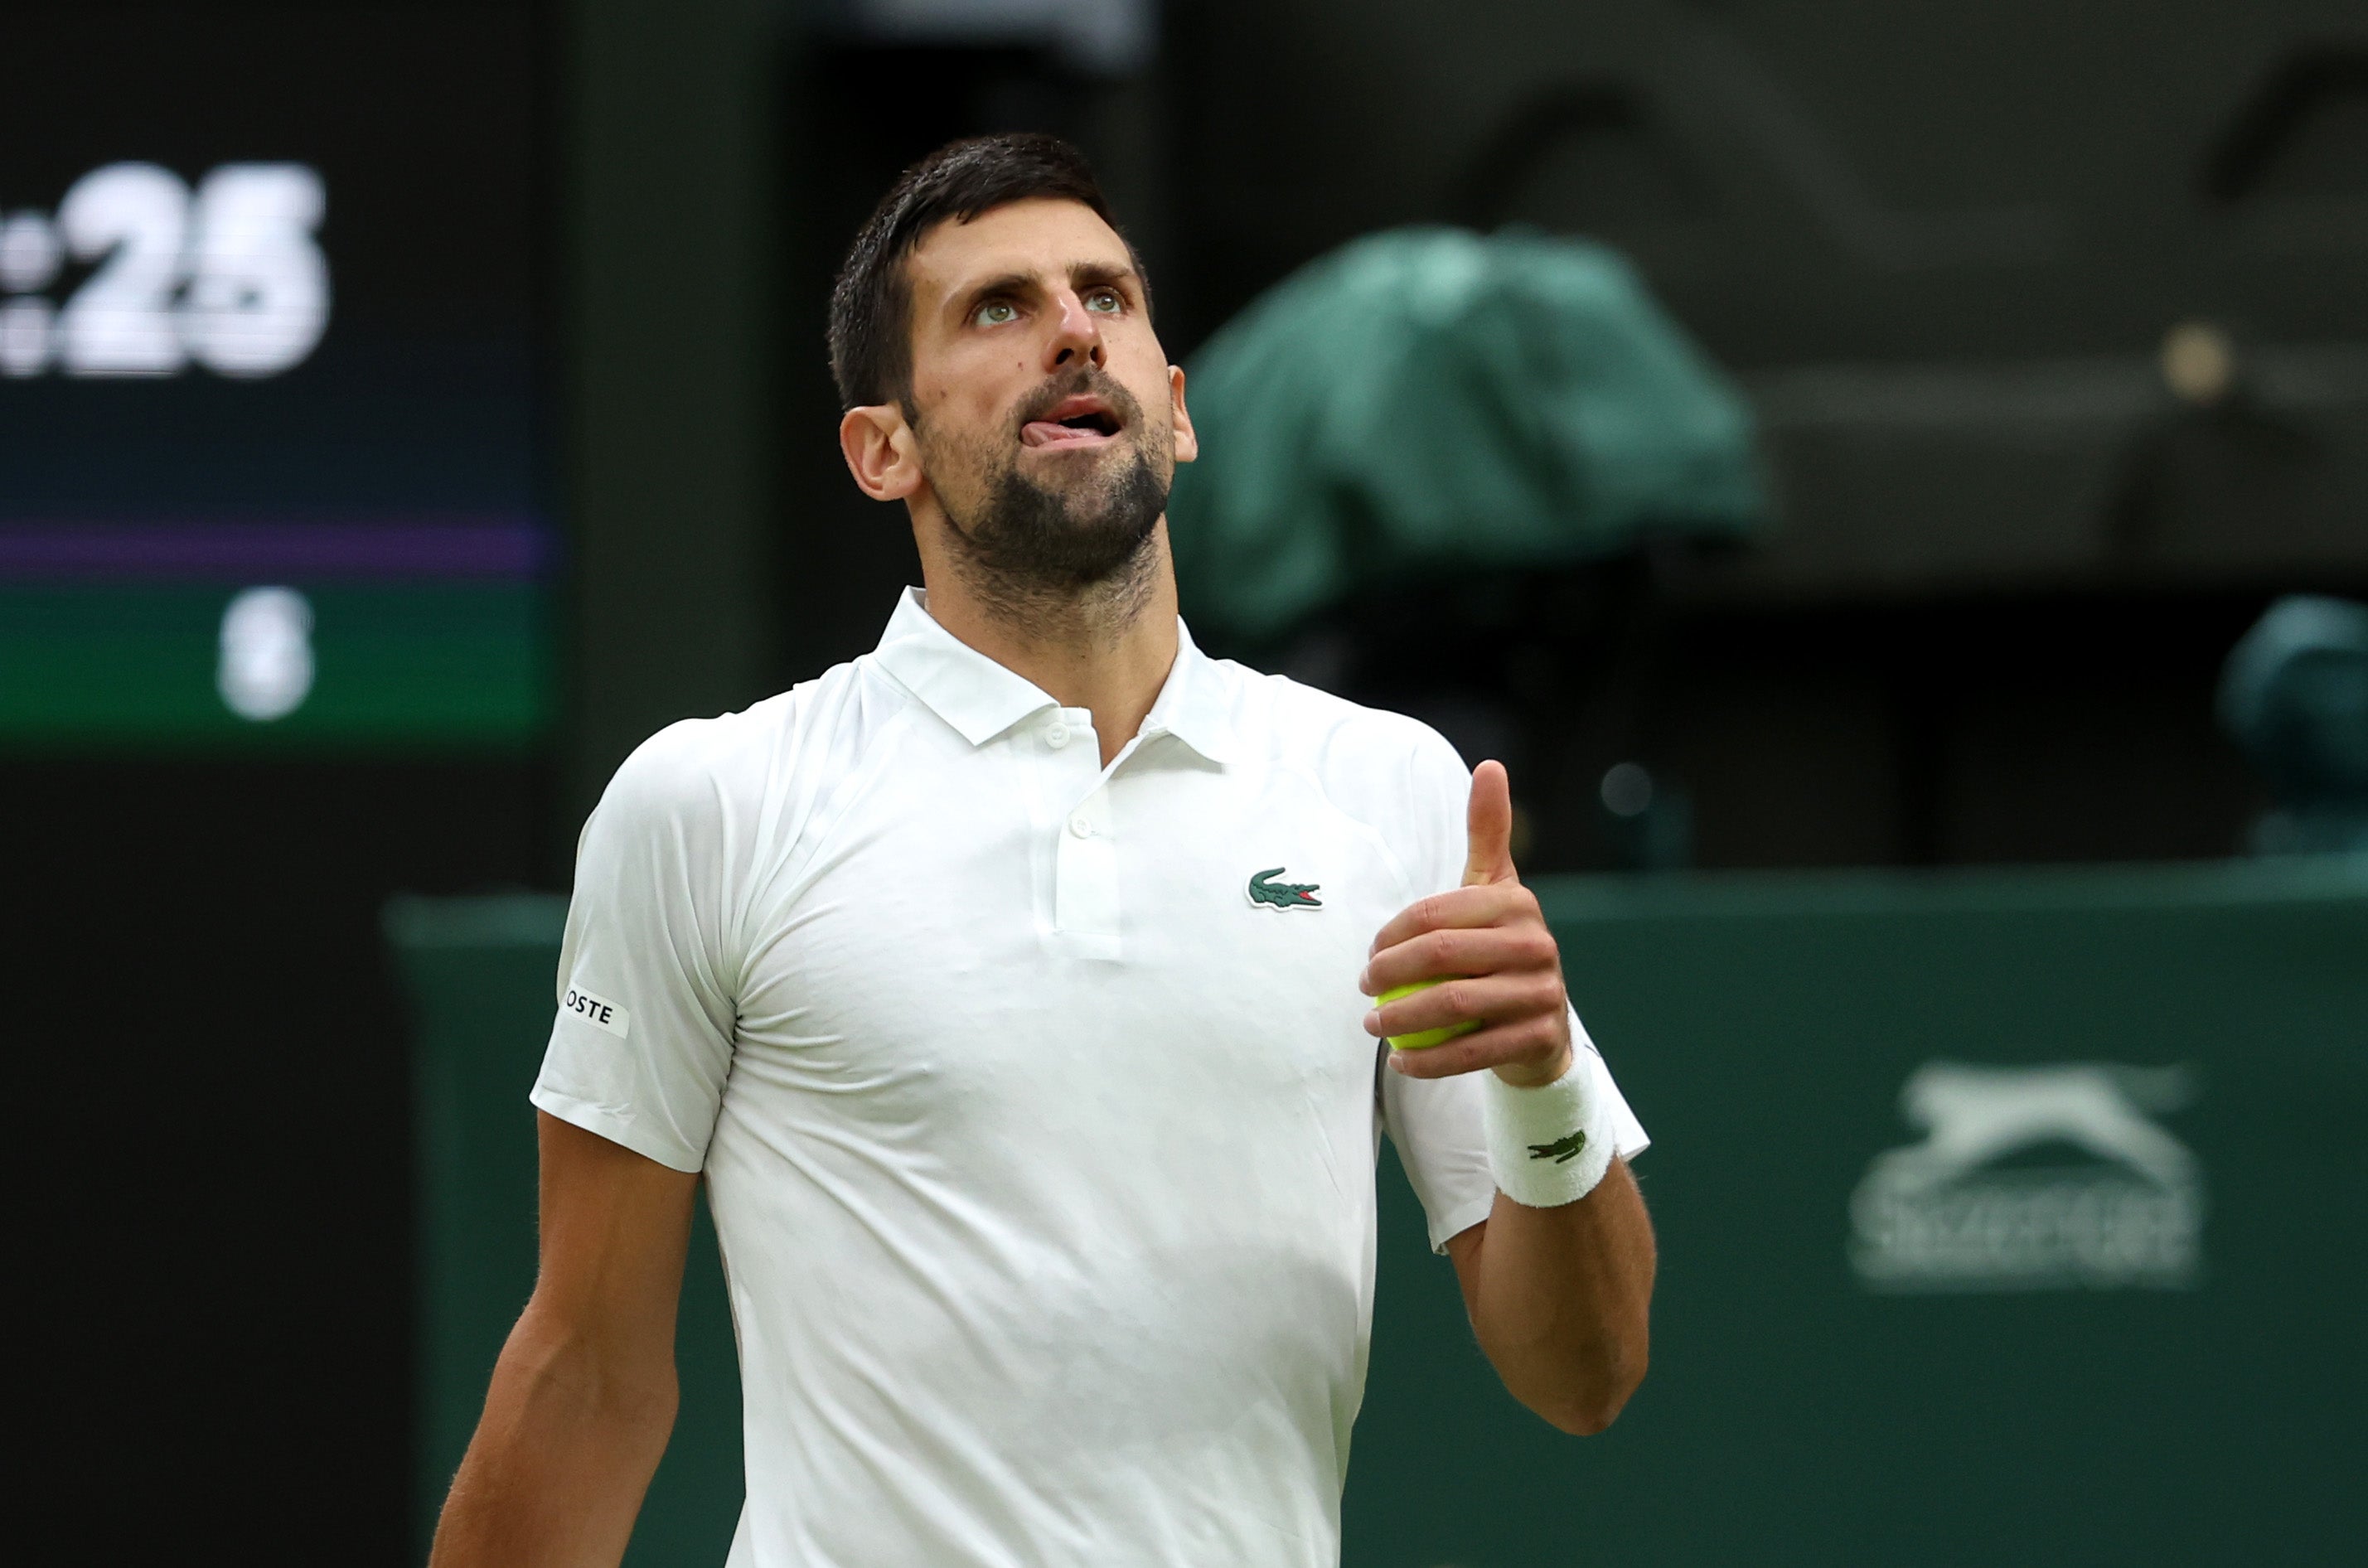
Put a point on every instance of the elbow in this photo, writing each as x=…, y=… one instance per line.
x=1588, y=1408
x=1581, y=1418
x=560, y=1365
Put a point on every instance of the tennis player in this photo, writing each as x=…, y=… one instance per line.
x=1003, y=986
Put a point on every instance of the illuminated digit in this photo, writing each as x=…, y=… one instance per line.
x=130, y=218
x=258, y=297
x=265, y=670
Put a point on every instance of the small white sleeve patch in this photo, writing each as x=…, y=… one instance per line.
x=598, y=1011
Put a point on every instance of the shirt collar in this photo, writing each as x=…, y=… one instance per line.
x=981, y=699
x=1192, y=706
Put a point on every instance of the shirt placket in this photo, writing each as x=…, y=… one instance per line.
x=1086, y=903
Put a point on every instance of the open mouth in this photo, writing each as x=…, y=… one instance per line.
x=1071, y=422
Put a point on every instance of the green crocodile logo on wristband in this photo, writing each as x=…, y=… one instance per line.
x=1562, y=1150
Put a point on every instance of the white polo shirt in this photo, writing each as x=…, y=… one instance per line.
x=1040, y=1147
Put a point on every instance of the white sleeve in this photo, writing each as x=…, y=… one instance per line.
x=644, y=1038
x=1435, y=1122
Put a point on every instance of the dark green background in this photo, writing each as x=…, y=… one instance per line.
x=1762, y=1027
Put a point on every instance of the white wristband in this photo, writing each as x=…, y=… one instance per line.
x=1550, y=1145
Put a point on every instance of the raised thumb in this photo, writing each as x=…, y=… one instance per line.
x=1489, y=826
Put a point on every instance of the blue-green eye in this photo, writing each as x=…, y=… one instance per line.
x=1104, y=299
x=995, y=312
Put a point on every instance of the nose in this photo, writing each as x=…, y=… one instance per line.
x=1076, y=336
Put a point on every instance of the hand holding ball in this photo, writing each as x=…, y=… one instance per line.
x=1423, y=1039
x=1489, y=862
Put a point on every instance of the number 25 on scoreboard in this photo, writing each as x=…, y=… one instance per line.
x=228, y=277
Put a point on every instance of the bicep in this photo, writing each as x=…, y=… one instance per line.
x=615, y=1227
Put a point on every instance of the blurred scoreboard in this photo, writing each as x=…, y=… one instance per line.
x=272, y=457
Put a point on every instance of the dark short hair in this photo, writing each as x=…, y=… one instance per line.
x=871, y=303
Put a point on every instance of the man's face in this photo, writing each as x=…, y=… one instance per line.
x=1048, y=419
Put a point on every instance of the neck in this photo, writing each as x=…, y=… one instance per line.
x=1107, y=648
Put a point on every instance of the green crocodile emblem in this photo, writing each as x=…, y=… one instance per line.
x=1283, y=895
x=1561, y=1150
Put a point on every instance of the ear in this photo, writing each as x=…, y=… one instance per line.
x=880, y=451
x=1188, y=445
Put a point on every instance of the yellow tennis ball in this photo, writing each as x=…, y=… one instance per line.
x=1426, y=1039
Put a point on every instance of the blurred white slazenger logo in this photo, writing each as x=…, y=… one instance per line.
x=1946, y=1215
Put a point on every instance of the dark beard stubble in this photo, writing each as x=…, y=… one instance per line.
x=1025, y=546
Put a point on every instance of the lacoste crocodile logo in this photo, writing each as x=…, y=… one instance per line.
x=1562, y=1151
x=1283, y=895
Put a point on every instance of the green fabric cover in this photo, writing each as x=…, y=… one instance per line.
x=1430, y=399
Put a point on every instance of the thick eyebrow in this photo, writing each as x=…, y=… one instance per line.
x=1085, y=274
x=968, y=301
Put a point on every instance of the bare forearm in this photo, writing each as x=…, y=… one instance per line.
x=1561, y=1300
x=555, y=1473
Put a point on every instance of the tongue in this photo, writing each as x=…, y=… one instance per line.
x=1044, y=433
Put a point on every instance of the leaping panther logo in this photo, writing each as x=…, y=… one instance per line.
x=1967, y=1210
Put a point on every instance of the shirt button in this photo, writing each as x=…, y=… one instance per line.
x=1056, y=735
x=1081, y=826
